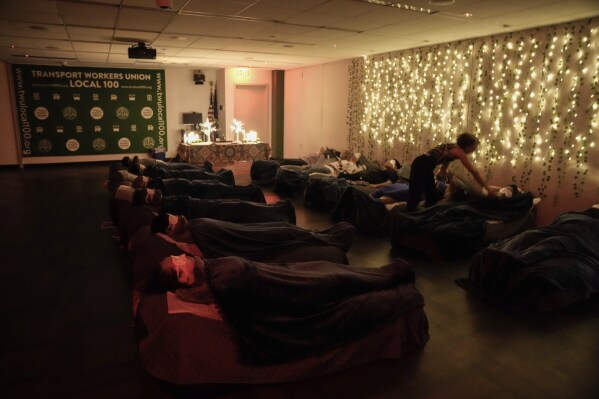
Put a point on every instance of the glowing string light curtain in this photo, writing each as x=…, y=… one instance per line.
x=530, y=96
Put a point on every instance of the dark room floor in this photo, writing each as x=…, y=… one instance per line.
x=67, y=327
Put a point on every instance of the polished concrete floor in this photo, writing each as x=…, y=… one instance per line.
x=66, y=328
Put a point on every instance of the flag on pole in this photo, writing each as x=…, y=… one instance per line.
x=212, y=111
x=215, y=107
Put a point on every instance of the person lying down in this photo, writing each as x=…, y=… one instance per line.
x=462, y=183
x=319, y=304
x=268, y=241
x=456, y=184
x=399, y=192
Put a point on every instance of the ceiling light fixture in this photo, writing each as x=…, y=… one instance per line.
x=441, y=2
x=400, y=6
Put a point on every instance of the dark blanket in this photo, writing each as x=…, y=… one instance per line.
x=367, y=214
x=209, y=189
x=134, y=219
x=289, y=161
x=264, y=241
x=287, y=311
x=263, y=172
x=457, y=228
x=372, y=176
x=324, y=192
x=117, y=178
x=545, y=268
x=231, y=210
x=156, y=168
x=290, y=183
x=224, y=175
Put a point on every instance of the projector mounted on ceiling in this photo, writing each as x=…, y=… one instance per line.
x=142, y=52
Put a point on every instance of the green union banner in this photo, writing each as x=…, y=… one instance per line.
x=89, y=111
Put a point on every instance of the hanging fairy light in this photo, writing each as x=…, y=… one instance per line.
x=529, y=96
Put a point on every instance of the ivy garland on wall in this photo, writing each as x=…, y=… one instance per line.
x=530, y=96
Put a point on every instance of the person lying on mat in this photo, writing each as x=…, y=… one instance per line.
x=463, y=183
x=225, y=176
x=324, y=156
x=347, y=163
x=150, y=167
x=256, y=241
x=232, y=210
x=374, y=176
x=133, y=218
x=400, y=192
x=208, y=189
x=281, y=312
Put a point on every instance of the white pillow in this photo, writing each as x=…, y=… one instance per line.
x=404, y=171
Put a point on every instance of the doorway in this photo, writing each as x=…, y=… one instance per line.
x=251, y=108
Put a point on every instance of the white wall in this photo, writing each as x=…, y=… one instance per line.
x=316, y=108
x=182, y=95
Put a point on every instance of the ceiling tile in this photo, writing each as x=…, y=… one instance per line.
x=194, y=25
x=47, y=32
x=95, y=57
x=217, y=7
x=154, y=21
x=8, y=41
x=379, y=18
x=311, y=18
x=120, y=58
x=59, y=54
x=34, y=17
x=90, y=34
x=146, y=37
x=211, y=43
x=175, y=40
x=91, y=47
x=28, y=6
x=344, y=8
x=194, y=52
x=268, y=13
x=245, y=29
x=246, y=45
x=298, y=5
x=63, y=45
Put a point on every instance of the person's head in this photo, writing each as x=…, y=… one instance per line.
x=170, y=224
x=147, y=196
x=392, y=164
x=126, y=161
x=508, y=191
x=178, y=271
x=330, y=153
x=136, y=167
x=141, y=182
x=467, y=142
